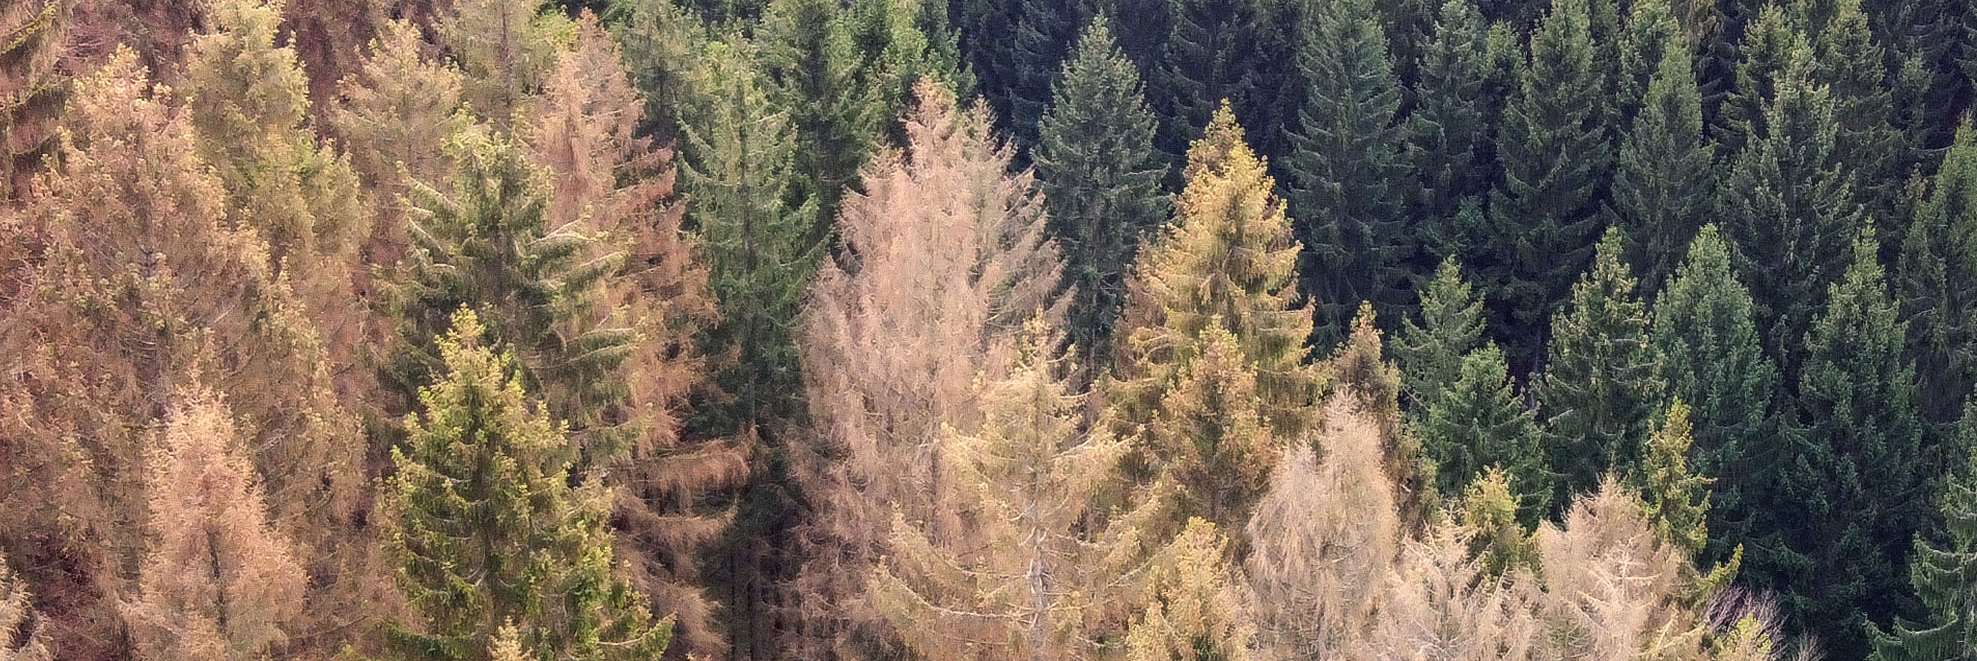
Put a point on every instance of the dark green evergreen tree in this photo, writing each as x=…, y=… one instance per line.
x=1944, y=567
x=1042, y=40
x=1772, y=43
x=1851, y=64
x=811, y=63
x=1557, y=153
x=1210, y=56
x=486, y=246
x=1430, y=353
x=1465, y=75
x=662, y=43
x=1850, y=494
x=491, y=540
x=1345, y=174
x=1477, y=423
x=1706, y=332
x=1938, y=282
x=1662, y=180
x=1100, y=176
x=758, y=230
x=1602, y=385
x=1787, y=207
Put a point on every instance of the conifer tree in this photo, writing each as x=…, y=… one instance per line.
x=217, y=581
x=134, y=278
x=663, y=44
x=249, y=103
x=1773, y=43
x=32, y=95
x=1209, y=436
x=1360, y=372
x=392, y=111
x=1852, y=65
x=506, y=48
x=1476, y=422
x=1465, y=76
x=27, y=632
x=1556, y=151
x=1938, y=281
x=1848, y=502
x=1664, y=174
x=488, y=533
x=1787, y=207
x=1209, y=58
x=1344, y=174
x=1943, y=567
x=1431, y=353
x=811, y=62
x=1706, y=332
x=1030, y=477
x=1323, y=539
x=490, y=245
x=671, y=487
x=1046, y=34
x=1100, y=177
x=1226, y=261
x=1602, y=383
x=1677, y=499
x=945, y=256
x=1195, y=608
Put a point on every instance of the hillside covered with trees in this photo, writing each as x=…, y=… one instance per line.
x=935, y=330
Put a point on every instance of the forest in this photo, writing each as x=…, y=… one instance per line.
x=939, y=330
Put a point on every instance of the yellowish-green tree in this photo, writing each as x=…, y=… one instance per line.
x=1226, y=261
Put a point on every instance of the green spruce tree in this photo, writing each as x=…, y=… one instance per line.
x=1944, y=567
x=1556, y=149
x=1430, y=353
x=1100, y=176
x=810, y=62
x=1346, y=170
x=1938, y=281
x=1209, y=57
x=1465, y=76
x=1849, y=493
x=488, y=533
x=1705, y=329
x=759, y=233
x=1787, y=206
x=1602, y=384
x=1662, y=180
x=1476, y=423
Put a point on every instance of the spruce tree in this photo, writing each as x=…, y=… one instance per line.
x=488, y=533
x=810, y=61
x=1676, y=498
x=1346, y=170
x=1602, y=383
x=1705, y=329
x=1663, y=177
x=759, y=234
x=1944, y=566
x=1209, y=58
x=1465, y=77
x=1556, y=149
x=490, y=245
x=1477, y=422
x=249, y=103
x=1848, y=504
x=1773, y=43
x=1042, y=39
x=1431, y=353
x=1787, y=207
x=1210, y=438
x=1938, y=281
x=1226, y=261
x=1851, y=64
x=1100, y=176
x=393, y=111
x=506, y=48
